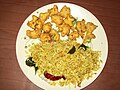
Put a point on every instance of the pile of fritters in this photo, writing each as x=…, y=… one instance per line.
x=64, y=21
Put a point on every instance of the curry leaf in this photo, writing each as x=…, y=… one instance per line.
x=74, y=22
x=72, y=50
x=29, y=62
x=36, y=68
x=89, y=41
x=82, y=45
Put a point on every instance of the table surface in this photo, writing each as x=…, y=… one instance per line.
x=13, y=14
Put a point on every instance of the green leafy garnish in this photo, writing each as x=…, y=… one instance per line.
x=58, y=31
x=36, y=68
x=72, y=50
x=53, y=36
x=89, y=41
x=29, y=62
x=82, y=45
x=68, y=39
x=74, y=22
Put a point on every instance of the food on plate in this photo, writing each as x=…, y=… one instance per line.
x=29, y=62
x=45, y=37
x=32, y=23
x=73, y=35
x=55, y=35
x=64, y=29
x=81, y=26
x=69, y=20
x=57, y=19
x=47, y=27
x=52, y=77
x=66, y=24
x=85, y=30
x=53, y=10
x=89, y=33
x=32, y=34
x=65, y=11
x=35, y=23
x=38, y=25
x=64, y=62
x=44, y=16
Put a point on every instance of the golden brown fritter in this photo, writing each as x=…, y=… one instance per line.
x=32, y=23
x=54, y=35
x=80, y=25
x=53, y=10
x=32, y=34
x=73, y=35
x=44, y=16
x=38, y=25
x=90, y=27
x=89, y=33
x=44, y=37
x=65, y=11
x=64, y=29
x=47, y=27
x=69, y=20
x=57, y=19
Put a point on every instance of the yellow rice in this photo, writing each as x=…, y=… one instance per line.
x=54, y=58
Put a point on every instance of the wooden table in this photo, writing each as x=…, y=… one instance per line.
x=13, y=14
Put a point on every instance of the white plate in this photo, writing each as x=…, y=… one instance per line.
x=100, y=43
